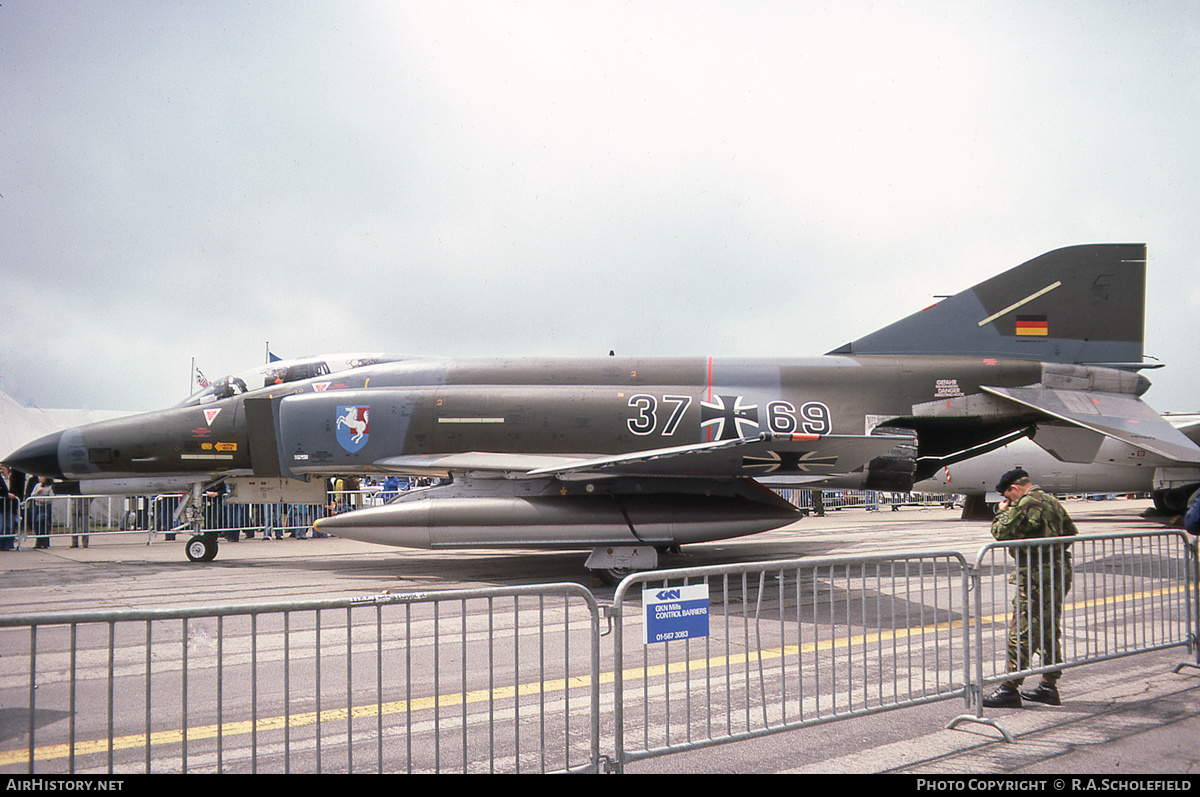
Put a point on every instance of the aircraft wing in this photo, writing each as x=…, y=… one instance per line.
x=1119, y=416
x=749, y=456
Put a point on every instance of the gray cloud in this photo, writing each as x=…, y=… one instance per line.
x=192, y=181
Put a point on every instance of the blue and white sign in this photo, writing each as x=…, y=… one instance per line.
x=675, y=613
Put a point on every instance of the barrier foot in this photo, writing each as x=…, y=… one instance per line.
x=1181, y=665
x=1008, y=737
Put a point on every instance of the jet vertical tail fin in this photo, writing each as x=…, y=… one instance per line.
x=1080, y=304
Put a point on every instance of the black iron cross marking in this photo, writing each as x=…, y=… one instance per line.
x=727, y=418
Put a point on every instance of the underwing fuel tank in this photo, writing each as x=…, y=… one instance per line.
x=573, y=521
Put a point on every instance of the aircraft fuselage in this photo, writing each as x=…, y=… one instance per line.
x=607, y=405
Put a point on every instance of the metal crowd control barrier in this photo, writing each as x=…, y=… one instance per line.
x=498, y=680
x=787, y=645
x=50, y=520
x=509, y=679
x=869, y=500
x=1119, y=595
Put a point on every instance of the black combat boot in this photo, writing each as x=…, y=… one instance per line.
x=1045, y=693
x=1005, y=697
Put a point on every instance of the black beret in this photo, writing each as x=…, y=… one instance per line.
x=1010, y=478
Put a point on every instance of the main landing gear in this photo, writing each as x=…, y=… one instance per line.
x=202, y=548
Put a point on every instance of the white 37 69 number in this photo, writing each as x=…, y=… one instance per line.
x=782, y=417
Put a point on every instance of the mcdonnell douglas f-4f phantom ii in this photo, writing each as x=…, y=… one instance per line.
x=624, y=455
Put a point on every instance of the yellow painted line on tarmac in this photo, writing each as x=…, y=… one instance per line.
x=175, y=737
x=50, y=752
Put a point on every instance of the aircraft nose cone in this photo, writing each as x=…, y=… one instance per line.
x=39, y=458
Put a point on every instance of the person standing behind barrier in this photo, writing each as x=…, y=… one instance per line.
x=38, y=510
x=9, y=503
x=1191, y=519
x=79, y=518
x=1043, y=579
x=391, y=488
x=299, y=520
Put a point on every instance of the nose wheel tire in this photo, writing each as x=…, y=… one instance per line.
x=202, y=548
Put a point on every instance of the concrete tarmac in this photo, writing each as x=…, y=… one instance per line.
x=1127, y=717
x=1132, y=717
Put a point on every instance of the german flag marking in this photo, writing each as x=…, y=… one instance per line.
x=1033, y=325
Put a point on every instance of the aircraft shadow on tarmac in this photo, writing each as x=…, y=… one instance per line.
x=14, y=722
x=504, y=567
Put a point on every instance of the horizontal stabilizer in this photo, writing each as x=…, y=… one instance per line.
x=1069, y=443
x=1120, y=416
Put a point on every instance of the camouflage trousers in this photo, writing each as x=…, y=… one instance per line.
x=1036, y=627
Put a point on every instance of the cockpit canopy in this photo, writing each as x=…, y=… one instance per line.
x=280, y=372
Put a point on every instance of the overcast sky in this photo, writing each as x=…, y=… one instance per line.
x=186, y=180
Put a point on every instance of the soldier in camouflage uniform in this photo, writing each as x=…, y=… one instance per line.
x=1043, y=579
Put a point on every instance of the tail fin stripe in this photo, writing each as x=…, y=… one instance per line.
x=1021, y=303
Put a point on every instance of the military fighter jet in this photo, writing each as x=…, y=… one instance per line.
x=626, y=455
